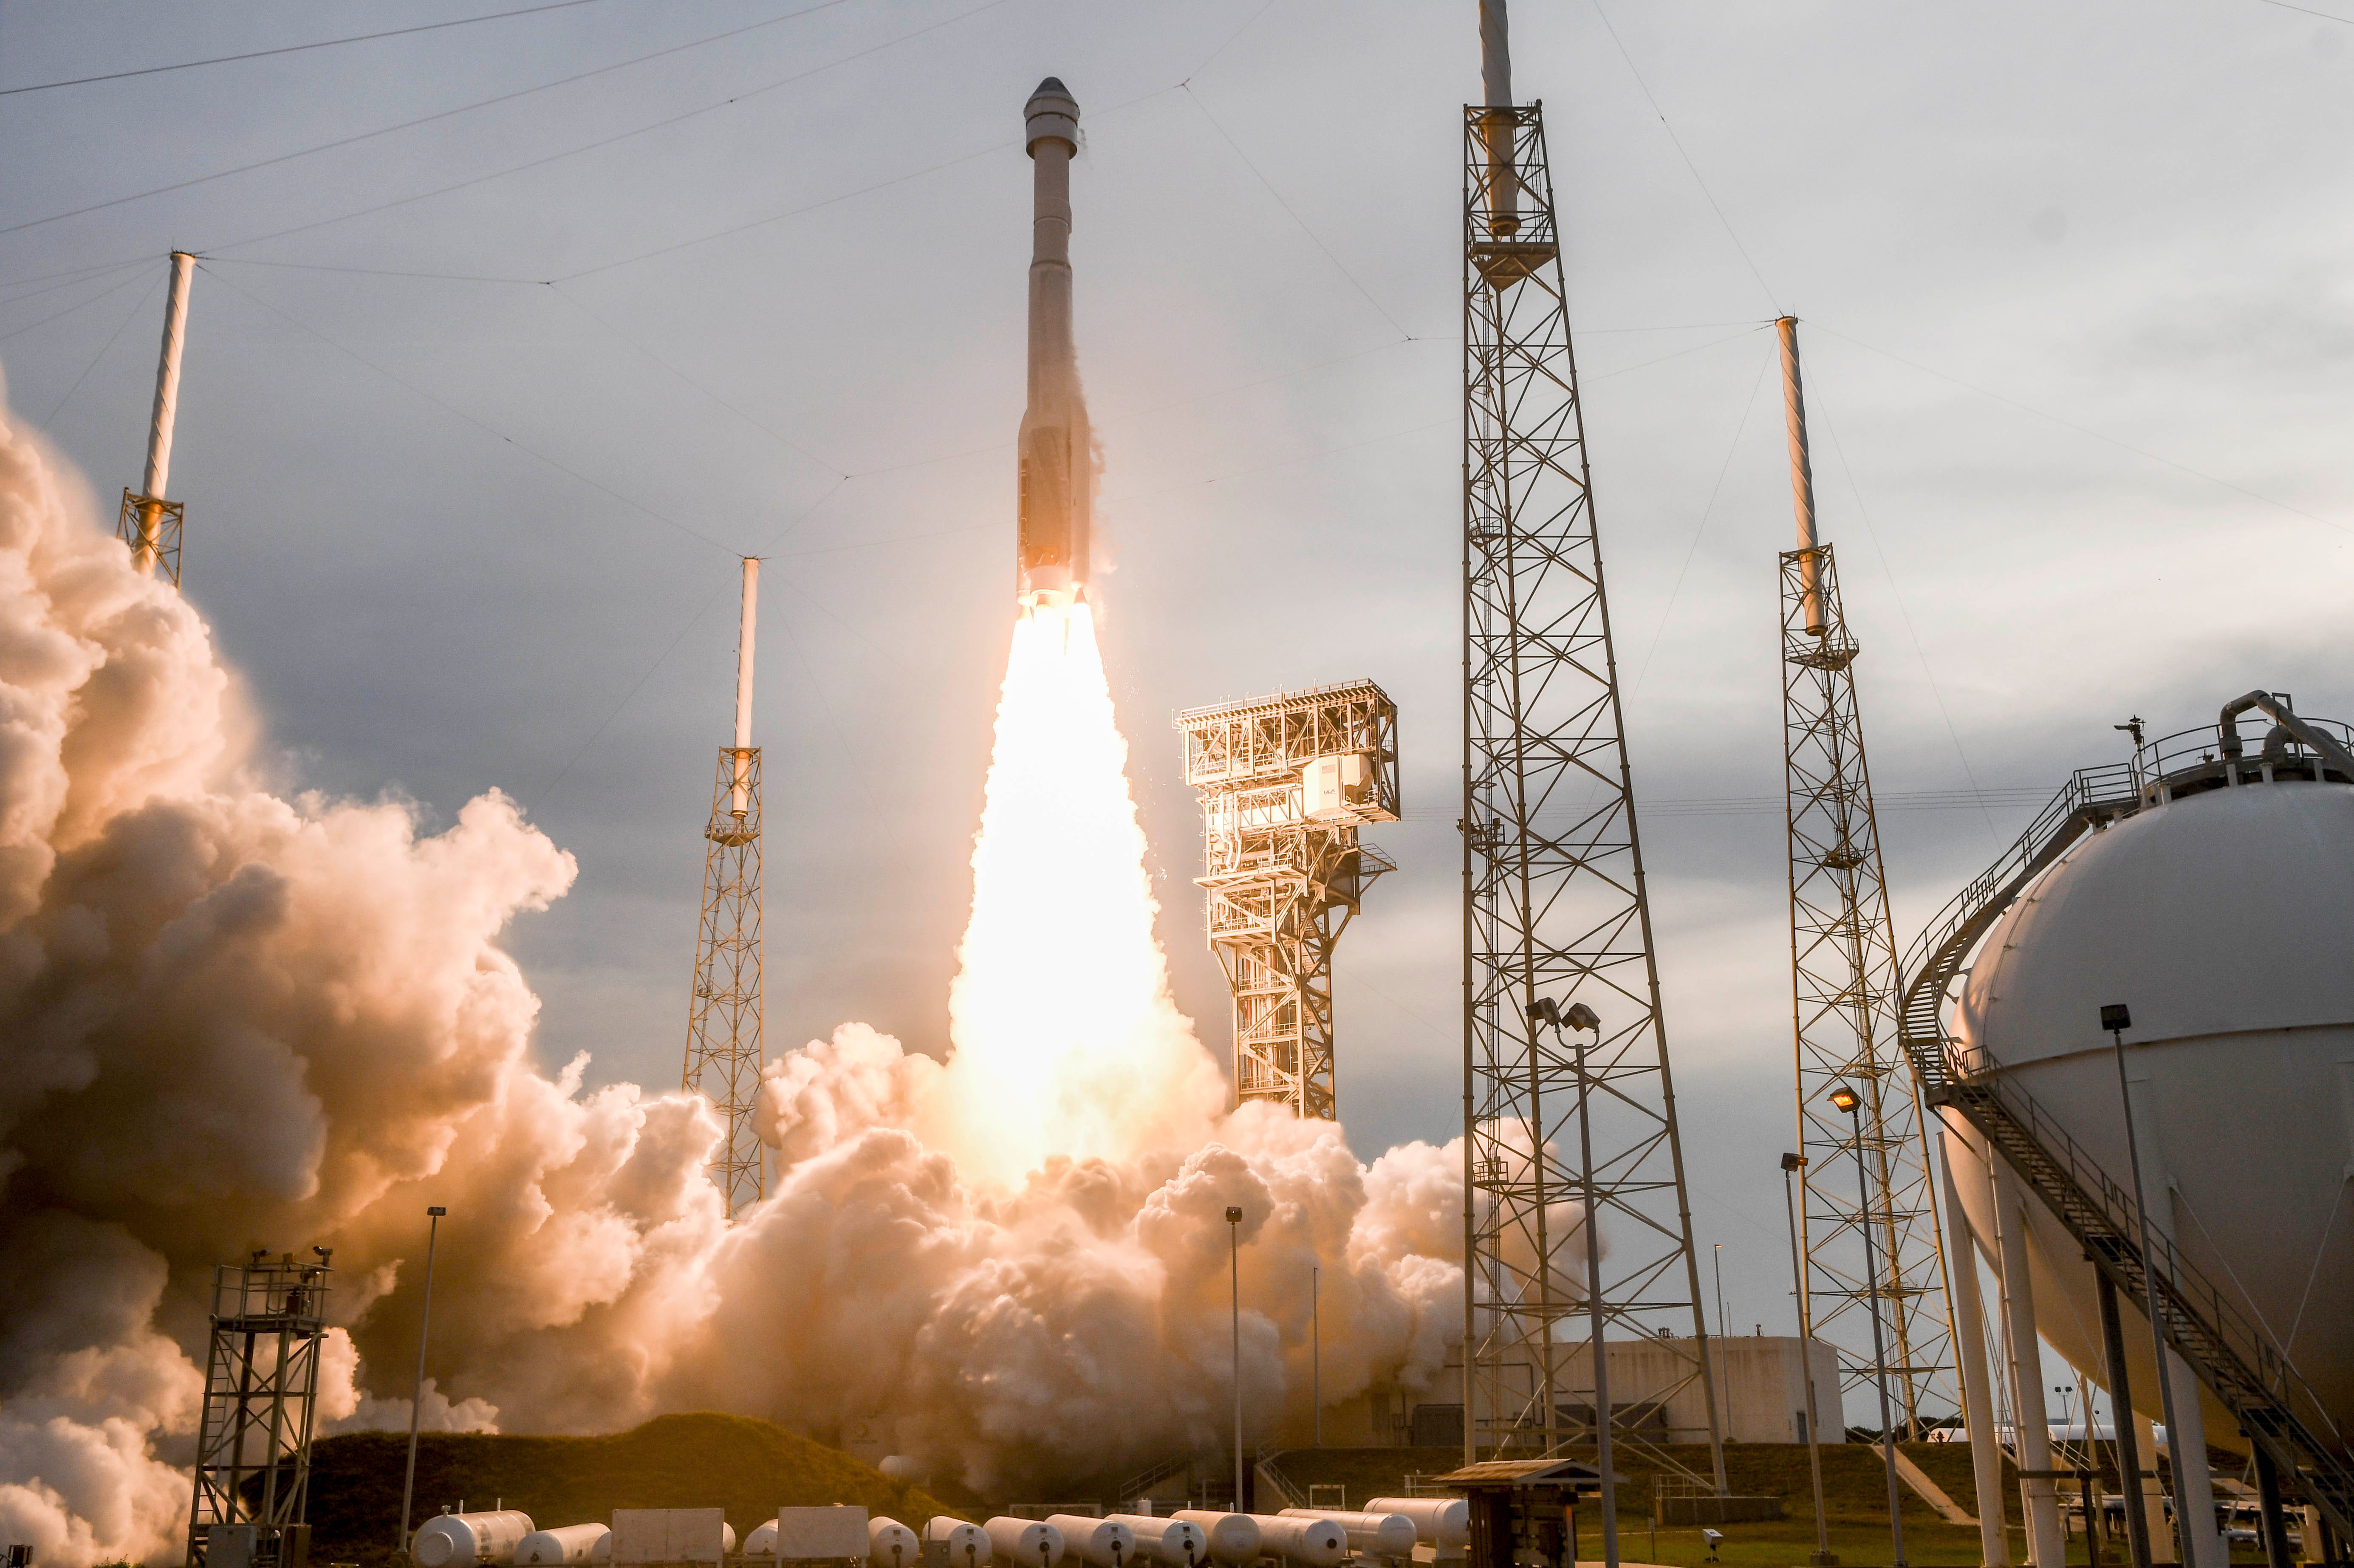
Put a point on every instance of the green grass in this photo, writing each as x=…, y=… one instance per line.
x=749, y=1468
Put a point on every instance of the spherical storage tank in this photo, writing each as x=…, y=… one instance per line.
x=2224, y=920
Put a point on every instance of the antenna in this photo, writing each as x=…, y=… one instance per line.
x=149, y=523
x=726, y=1013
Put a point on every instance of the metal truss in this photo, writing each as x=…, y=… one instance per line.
x=261, y=1386
x=1286, y=781
x=1553, y=901
x=725, y=1015
x=1843, y=961
x=150, y=526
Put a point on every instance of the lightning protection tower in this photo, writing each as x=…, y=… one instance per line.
x=1845, y=996
x=1560, y=1122
x=725, y=1014
x=253, y=1433
x=1286, y=782
x=149, y=523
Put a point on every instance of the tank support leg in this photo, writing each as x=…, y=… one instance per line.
x=2127, y=1447
x=1970, y=1337
x=2046, y=1547
x=2268, y=1499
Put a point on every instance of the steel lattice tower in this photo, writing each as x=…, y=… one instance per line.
x=725, y=1014
x=1286, y=781
x=261, y=1387
x=1845, y=995
x=1554, y=908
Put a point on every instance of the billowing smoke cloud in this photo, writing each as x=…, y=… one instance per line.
x=235, y=1017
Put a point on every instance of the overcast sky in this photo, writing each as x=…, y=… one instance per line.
x=480, y=409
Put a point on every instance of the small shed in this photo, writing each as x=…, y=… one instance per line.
x=1522, y=1510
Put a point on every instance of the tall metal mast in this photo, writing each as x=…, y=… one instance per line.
x=252, y=1471
x=149, y=523
x=1555, y=907
x=1845, y=994
x=725, y=1015
x=1286, y=781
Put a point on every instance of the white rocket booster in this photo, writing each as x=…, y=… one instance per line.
x=1057, y=459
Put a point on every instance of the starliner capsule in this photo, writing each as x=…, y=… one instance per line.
x=1058, y=455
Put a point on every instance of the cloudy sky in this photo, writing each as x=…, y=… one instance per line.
x=513, y=335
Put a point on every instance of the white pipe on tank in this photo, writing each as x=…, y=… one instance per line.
x=745, y=630
x=2186, y=1453
x=2029, y=1413
x=1977, y=1401
x=168, y=410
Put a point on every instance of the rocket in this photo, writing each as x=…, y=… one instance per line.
x=1058, y=458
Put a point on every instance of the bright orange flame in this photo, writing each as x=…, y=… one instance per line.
x=1067, y=1041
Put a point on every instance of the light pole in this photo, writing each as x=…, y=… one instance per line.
x=417, y=1397
x=1822, y=1557
x=1848, y=1100
x=1234, y=1248
x=2116, y=1018
x=1316, y=1350
x=1579, y=1017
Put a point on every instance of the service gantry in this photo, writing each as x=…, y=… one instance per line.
x=147, y=522
x=725, y=1014
x=253, y=1433
x=1846, y=995
x=1286, y=782
x=1569, y=1110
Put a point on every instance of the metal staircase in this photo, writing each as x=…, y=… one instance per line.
x=2237, y=1359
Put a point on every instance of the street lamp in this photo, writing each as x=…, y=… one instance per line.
x=1579, y=1017
x=1822, y=1557
x=417, y=1397
x=1848, y=1100
x=2116, y=1018
x=1235, y=1247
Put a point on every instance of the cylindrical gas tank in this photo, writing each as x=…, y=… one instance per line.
x=573, y=1545
x=762, y=1542
x=1098, y=1543
x=1171, y=1543
x=1315, y=1542
x=890, y=1544
x=969, y=1544
x=1025, y=1543
x=1234, y=1537
x=455, y=1540
x=1371, y=1533
x=2225, y=921
x=1443, y=1522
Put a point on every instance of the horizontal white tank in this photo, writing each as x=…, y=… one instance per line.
x=1025, y=1543
x=570, y=1544
x=1443, y=1522
x=2225, y=921
x=890, y=1544
x=1098, y=1543
x=454, y=1539
x=762, y=1542
x=1315, y=1542
x=1233, y=1537
x=969, y=1544
x=1172, y=1543
x=1371, y=1533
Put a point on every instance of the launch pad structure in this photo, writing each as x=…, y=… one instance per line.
x=1577, y=1227
x=1286, y=782
x=253, y=1436
x=726, y=1013
x=1846, y=992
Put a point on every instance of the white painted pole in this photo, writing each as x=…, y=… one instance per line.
x=1802, y=474
x=1977, y=1402
x=2029, y=1414
x=168, y=410
x=744, y=637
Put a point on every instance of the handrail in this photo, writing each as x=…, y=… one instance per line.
x=2232, y=1352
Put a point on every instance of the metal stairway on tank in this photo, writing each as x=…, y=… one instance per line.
x=2230, y=1352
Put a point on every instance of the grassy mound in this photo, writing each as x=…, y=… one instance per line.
x=749, y=1468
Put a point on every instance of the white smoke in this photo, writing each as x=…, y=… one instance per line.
x=235, y=1017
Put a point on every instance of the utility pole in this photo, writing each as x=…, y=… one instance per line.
x=1821, y=1557
x=726, y=1014
x=1554, y=899
x=1844, y=990
x=416, y=1395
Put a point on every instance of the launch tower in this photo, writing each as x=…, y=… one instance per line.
x=1845, y=993
x=253, y=1435
x=1569, y=1110
x=1286, y=782
x=149, y=523
x=725, y=1014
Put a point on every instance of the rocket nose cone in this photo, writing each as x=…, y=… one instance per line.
x=1053, y=112
x=1053, y=84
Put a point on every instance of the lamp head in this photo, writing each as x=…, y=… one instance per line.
x=436, y=1211
x=1794, y=1162
x=1581, y=1016
x=2117, y=1016
x=1846, y=1099
x=1234, y=1215
x=1542, y=1011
